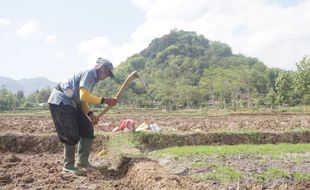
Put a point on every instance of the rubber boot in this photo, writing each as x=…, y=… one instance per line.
x=84, y=148
x=69, y=158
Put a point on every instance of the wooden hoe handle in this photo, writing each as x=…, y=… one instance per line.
x=134, y=75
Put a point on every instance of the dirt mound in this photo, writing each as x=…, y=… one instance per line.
x=162, y=140
x=27, y=143
x=147, y=174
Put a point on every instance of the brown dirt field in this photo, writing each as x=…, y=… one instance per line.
x=31, y=155
x=173, y=122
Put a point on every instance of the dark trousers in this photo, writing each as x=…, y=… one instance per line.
x=71, y=123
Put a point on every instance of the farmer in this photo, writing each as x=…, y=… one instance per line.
x=72, y=116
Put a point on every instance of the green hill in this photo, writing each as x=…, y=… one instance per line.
x=183, y=69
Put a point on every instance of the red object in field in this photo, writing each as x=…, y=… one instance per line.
x=127, y=124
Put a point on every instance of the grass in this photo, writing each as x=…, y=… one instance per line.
x=121, y=143
x=217, y=169
x=198, y=165
x=301, y=176
x=300, y=159
x=222, y=174
x=270, y=174
x=227, y=150
x=274, y=173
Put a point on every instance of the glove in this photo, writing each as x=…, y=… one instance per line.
x=94, y=119
x=110, y=101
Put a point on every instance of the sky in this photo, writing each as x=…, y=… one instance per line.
x=55, y=39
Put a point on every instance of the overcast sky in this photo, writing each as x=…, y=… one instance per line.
x=55, y=39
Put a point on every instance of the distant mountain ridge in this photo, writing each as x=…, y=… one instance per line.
x=28, y=86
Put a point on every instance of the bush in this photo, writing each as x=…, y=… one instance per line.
x=28, y=105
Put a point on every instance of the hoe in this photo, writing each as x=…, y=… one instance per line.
x=134, y=75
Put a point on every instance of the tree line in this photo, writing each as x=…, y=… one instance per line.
x=13, y=101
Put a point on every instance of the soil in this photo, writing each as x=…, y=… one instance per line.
x=252, y=167
x=31, y=156
x=170, y=122
x=43, y=171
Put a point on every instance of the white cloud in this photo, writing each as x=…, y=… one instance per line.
x=276, y=34
x=51, y=39
x=142, y=4
x=30, y=28
x=97, y=47
x=102, y=47
x=4, y=22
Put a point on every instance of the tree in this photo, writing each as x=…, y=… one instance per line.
x=302, y=79
x=284, y=87
x=39, y=96
x=219, y=49
x=7, y=100
x=20, y=95
x=136, y=63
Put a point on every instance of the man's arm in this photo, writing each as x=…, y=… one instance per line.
x=87, y=97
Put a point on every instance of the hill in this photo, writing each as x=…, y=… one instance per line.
x=28, y=86
x=186, y=69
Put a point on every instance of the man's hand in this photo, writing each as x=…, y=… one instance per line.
x=94, y=119
x=110, y=101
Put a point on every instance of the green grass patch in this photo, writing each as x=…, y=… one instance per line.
x=227, y=150
x=198, y=165
x=119, y=141
x=301, y=176
x=299, y=159
x=121, y=144
x=275, y=173
x=270, y=174
x=222, y=174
